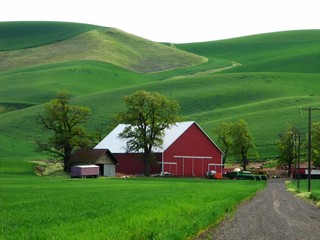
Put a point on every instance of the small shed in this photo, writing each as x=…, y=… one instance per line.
x=100, y=157
x=186, y=151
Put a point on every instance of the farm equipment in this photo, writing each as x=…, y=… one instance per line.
x=84, y=171
x=213, y=175
x=246, y=175
x=210, y=174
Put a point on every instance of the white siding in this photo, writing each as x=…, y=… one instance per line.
x=109, y=170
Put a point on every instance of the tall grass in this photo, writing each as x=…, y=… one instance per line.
x=45, y=208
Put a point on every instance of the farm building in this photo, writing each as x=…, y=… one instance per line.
x=186, y=151
x=101, y=157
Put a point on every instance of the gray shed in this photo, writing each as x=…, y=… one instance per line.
x=101, y=157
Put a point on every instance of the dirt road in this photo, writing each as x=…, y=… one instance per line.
x=273, y=214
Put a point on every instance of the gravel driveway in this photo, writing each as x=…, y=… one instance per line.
x=273, y=214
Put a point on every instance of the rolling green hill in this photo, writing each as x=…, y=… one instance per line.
x=19, y=35
x=100, y=44
x=263, y=79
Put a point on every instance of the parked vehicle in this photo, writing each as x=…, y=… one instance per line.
x=302, y=173
x=210, y=174
x=84, y=171
x=246, y=175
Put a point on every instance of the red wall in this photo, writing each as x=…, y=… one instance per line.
x=193, y=142
x=132, y=163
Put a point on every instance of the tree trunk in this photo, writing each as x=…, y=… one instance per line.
x=67, y=158
x=289, y=169
x=224, y=158
x=244, y=163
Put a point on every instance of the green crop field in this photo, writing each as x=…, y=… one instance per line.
x=263, y=79
x=143, y=208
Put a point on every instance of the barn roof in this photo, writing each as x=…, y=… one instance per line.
x=91, y=155
x=117, y=145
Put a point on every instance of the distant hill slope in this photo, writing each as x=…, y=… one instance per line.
x=290, y=51
x=97, y=44
x=18, y=35
x=263, y=79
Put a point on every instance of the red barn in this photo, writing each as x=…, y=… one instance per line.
x=186, y=151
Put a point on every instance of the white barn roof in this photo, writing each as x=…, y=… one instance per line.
x=118, y=145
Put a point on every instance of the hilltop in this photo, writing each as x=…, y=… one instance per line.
x=88, y=43
x=263, y=79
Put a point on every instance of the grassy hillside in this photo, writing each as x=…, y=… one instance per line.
x=263, y=79
x=100, y=44
x=19, y=35
x=292, y=51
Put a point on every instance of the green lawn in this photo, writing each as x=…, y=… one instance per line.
x=139, y=208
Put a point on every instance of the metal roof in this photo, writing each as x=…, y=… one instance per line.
x=118, y=145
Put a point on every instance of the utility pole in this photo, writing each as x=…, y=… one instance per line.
x=309, y=145
x=299, y=141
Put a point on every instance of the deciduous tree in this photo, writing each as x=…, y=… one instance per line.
x=65, y=123
x=286, y=148
x=147, y=115
x=224, y=138
x=242, y=143
x=315, y=136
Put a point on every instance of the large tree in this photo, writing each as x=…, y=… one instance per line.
x=315, y=136
x=286, y=148
x=224, y=138
x=65, y=124
x=242, y=143
x=147, y=115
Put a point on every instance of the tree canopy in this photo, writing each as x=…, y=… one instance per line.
x=315, y=144
x=224, y=138
x=147, y=114
x=65, y=123
x=236, y=140
x=242, y=144
x=286, y=147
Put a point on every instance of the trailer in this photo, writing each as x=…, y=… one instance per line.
x=84, y=171
x=246, y=175
x=302, y=173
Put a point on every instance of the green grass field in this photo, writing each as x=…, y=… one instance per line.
x=59, y=208
x=263, y=79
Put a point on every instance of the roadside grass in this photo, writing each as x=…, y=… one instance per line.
x=138, y=208
x=315, y=189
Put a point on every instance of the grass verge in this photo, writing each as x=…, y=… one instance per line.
x=314, y=195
